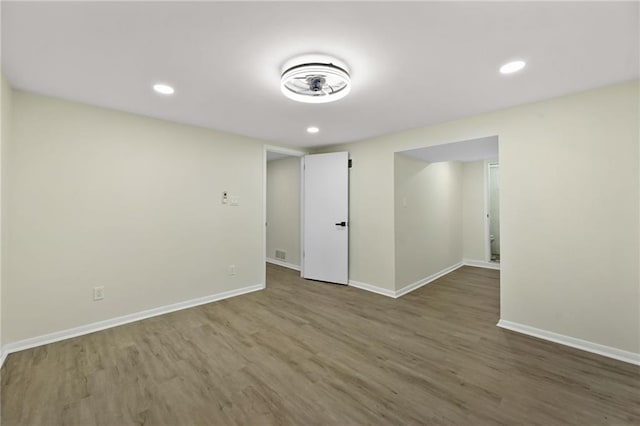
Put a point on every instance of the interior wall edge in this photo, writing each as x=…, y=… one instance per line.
x=427, y=280
x=6, y=117
x=408, y=288
x=585, y=345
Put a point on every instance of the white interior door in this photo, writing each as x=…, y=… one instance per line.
x=325, y=248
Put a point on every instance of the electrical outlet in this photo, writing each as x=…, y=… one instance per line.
x=232, y=270
x=98, y=293
x=281, y=254
x=225, y=197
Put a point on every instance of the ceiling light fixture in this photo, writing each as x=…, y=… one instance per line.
x=163, y=89
x=512, y=67
x=313, y=129
x=315, y=83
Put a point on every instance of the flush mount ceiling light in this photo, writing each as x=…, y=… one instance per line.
x=315, y=82
x=163, y=89
x=313, y=129
x=512, y=67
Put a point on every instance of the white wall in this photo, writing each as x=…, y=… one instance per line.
x=569, y=261
x=428, y=218
x=473, y=211
x=5, y=131
x=283, y=209
x=104, y=198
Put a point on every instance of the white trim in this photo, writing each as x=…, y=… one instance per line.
x=585, y=345
x=283, y=264
x=373, y=288
x=424, y=281
x=481, y=264
x=408, y=288
x=125, y=319
x=3, y=356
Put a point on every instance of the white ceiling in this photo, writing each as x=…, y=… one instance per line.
x=412, y=64
x=470, y=150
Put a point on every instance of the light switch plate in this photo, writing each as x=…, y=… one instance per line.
x=98, y=293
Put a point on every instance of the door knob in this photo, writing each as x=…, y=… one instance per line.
x=341, y=224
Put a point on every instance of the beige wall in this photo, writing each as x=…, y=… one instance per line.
x=569, y=229
x=283, y=209
x=428, y=218
x=473, y=211
x=5, y=130
x=104, y=198
x=99, y=197
x=371, y=212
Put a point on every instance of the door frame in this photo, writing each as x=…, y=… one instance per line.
x=303, y=214
x=292, y=153
x=487, y=207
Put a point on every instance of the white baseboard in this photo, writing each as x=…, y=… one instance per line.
x=424, y=281
x=585, y=345
x=481, y=264
x=3, y=356
x=284, y=264
x=125, y=319
x=406, y=289
x=373, y=288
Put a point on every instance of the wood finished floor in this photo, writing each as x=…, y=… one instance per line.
x=307, y=353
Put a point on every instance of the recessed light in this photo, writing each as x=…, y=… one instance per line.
x=163, y=89
x=512, y=67
x=313, y=129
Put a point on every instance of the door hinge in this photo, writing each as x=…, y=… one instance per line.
x=350, y=163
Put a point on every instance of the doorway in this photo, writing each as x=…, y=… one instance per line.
x=289, y=176
x=442, y=209
x=282, y=206
x=493, y=194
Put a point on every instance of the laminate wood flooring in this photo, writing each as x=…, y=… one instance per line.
x=309, y=353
